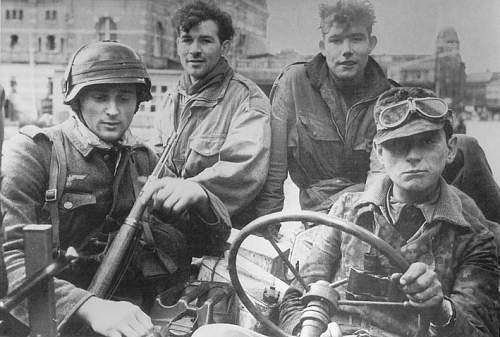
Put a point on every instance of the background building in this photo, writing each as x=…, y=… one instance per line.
x=443, y=71
x=39, y=36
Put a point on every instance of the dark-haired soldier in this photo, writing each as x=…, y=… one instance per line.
x=217, y=120
x=96, y=184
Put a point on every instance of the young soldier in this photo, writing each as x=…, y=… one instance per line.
x=453, y=275
x=217, y=120
x=104, y=83
x=322, y=125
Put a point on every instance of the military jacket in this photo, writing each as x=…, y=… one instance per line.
x=98, y=195
x=221, y=138
x=453, y=241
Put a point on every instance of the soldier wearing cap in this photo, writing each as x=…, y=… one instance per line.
x=453, y=275
x=99, y=163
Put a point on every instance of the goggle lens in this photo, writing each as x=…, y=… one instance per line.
x=396, y=114
x=432, y=108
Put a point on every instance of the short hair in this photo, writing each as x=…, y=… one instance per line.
x=193, y=14
x=347, y=12
x=398, y=94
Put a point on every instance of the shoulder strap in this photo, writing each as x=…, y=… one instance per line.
x=57, y=182
x=57, y=173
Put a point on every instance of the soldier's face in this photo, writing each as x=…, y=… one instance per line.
x=200, y=49
x=108, y=109
x=415, y=163
x=346, y=49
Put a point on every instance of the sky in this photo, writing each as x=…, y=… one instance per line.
x=402, y=27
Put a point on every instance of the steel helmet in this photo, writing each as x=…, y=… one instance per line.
x=105, y=62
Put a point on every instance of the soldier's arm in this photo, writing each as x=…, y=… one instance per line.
x=243, y=159
x=475, y=294
x=25, y=170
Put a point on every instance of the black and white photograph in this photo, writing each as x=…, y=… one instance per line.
x=250, y=168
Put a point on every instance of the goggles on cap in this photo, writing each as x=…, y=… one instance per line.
x=432, y=108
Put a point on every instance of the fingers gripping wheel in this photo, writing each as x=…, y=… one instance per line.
x=317, y=293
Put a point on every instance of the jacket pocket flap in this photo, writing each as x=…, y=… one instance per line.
x=207, y=146
x=71, y=201
x=319, y=130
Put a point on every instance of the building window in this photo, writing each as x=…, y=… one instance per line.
x=61, y=46
x=163, y=88
x=14, y=39
x=106, y=29
x=153, y=108
x=14, y=14
x=50, y=15
x=51, y=42
x=159, y=39
x=153, y=88
x=39, y=44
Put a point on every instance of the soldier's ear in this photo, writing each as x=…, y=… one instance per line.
x=373, y=42
x=225, y=46
x=452, y=149
x=322, y=46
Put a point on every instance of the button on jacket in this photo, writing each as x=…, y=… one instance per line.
x=95, y=195
x=221, y=139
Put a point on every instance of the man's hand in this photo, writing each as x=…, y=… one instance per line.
x=424, y=290
x=115, y=319
x=174, y=196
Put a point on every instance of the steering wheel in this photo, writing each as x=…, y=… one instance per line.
x=318, y=218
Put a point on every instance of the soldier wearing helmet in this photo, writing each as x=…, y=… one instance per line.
x=90, y=190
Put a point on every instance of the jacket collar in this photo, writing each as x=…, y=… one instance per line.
x=85, y=141
x=213, y=91
x=448, y=207
x=318, y=72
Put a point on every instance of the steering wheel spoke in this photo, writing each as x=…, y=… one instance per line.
x=383, y=247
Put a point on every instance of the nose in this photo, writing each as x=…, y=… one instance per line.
x=195, y=48
x=112, y=108
x=414, y=154
x=346, y=48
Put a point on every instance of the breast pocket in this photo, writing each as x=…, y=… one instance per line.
x=204, y=151
x=320, y=146
x=319, y=129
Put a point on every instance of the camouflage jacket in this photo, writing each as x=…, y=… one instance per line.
x=453, y=240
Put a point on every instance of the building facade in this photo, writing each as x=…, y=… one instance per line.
x=39, y=36
x=443, y=71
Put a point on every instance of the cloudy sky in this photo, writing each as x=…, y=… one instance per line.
x=402, y=27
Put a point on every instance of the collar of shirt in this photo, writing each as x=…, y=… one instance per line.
x=448, y=206
x=394, y=207
x=85, y=141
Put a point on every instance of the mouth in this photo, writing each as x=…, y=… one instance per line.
x=196, y=61
x=412, y=172
x=347, y=63
x=110, y=124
